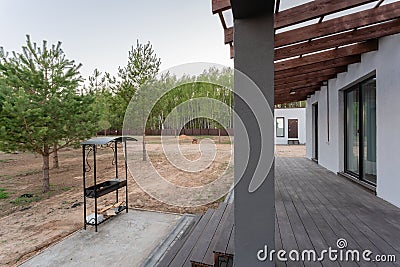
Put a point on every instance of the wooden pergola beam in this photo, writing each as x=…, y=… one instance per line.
x=291, y=98
x=342, y=40
x=314, y=9
x=346, y=38
x=333, y=63
x=306, y=89
x=333, y=26
x=341, y=24
x=305, y=82
x=309, y=76
x=228, y=35
x=299, y=86
x=355, y=49
x=219, y=6
x=301, y=94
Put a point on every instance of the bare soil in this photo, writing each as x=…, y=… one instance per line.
x=30, y=224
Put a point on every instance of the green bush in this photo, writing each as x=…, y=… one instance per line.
x=25, y=200
x=3, y=193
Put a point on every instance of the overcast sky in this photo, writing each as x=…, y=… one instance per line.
x=99, y=33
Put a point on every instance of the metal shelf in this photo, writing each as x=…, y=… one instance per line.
x=122, y=208
x=103, y=188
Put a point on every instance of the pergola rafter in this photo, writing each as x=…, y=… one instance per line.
x=327, y=46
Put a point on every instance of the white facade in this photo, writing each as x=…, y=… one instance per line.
x=385, y=64
x=289, y=114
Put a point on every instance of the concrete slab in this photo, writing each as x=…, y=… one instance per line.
x=126, y=240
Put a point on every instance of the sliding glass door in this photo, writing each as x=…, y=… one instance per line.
x=360, y=125
x=368, y=90
x=353, y=132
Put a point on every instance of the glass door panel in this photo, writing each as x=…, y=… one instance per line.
x=352, y=131
x=369, y=130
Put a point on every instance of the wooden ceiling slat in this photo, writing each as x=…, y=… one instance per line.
x=308, y=89
x=228, y=35
x=314, y=9
x=308, y=76
x=298, y=86
x=282, y=99
x=304, y=83
x=355, y=49
x=372, y=32
x=334, y=63
x=290, y=99
x=301, y=94
x=341, y=24
x=220, y=5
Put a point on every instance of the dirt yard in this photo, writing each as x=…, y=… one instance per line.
x=30, y=220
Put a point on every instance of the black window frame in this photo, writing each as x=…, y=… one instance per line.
x=357, y=86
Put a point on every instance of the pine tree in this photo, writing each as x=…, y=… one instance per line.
x=40, y=108
x=143, y=66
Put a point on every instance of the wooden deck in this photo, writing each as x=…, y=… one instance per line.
x=314, y=208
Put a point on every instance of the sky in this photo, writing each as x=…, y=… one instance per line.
x=99, y=33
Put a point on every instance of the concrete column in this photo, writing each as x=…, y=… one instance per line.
x=254, y=54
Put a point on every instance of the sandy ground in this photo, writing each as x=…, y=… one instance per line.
x=29, y=225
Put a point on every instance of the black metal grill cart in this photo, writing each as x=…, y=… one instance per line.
x=103, y=188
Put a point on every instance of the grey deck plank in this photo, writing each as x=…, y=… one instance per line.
x=287, y=234
x=182, y=257
x=223, y=240
x=230, y=248
x=173, y=251
x=301, y=234
x=225, y=220
x=199, y=252
x=278, y=243
x=310, y=223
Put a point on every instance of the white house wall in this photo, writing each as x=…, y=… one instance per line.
x=386, y=63
x=291, y=113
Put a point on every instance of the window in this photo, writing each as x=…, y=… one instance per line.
x=280, y=127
